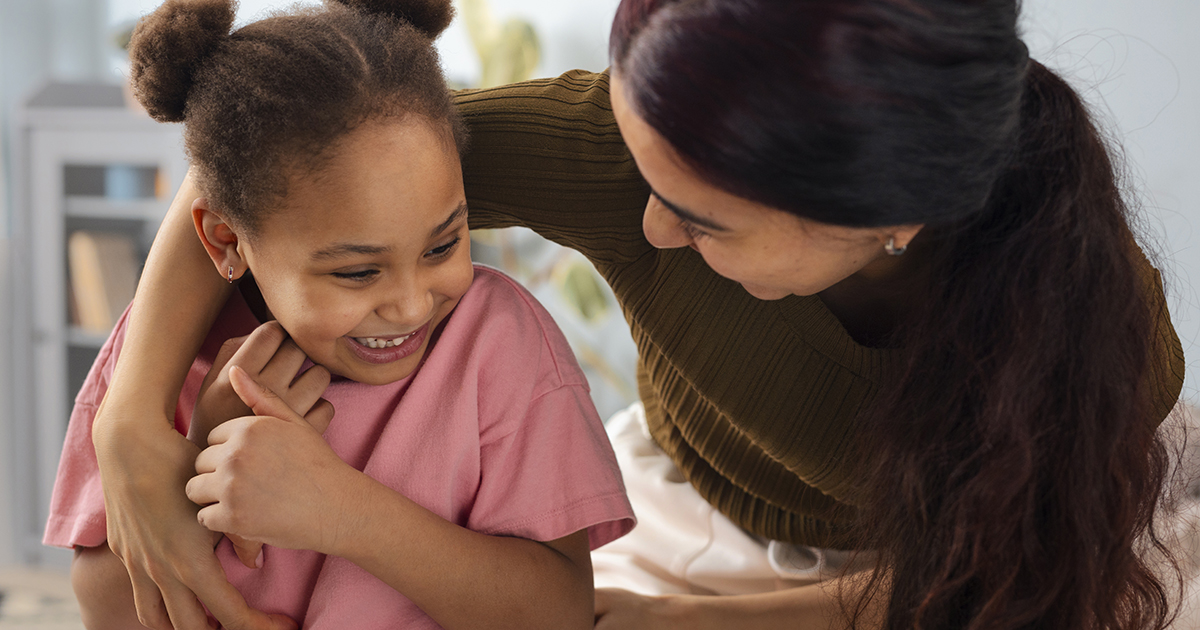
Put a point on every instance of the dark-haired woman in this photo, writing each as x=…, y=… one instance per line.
x=885, y=294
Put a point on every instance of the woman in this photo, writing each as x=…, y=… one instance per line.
x=885, y=296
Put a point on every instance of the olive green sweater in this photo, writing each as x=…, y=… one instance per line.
x=755, y=401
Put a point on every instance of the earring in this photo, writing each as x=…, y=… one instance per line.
x=230, y=277
x=891, y=248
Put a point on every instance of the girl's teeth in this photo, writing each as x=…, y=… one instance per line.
x=372, y=342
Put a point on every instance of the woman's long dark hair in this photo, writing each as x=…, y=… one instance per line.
x=1015, y=464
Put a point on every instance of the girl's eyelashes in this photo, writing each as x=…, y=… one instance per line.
x=356, y=276
x=366, y=275
x=443, y=251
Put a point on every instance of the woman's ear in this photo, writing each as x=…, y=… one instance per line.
x=219, y=239
x=901, y=235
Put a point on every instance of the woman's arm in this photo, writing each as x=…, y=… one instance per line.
x=547, y=154
x=821, y=606
x=271, y=478
x=144, y=463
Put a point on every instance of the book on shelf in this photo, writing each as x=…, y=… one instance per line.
x=103, y=268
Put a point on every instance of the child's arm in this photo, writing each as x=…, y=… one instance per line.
x=272, y=478
x=143, y=461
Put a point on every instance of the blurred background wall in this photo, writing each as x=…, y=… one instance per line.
x=1136, y=62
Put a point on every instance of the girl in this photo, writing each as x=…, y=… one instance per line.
x=466, y=475
x=885, y=294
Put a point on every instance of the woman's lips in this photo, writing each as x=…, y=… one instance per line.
x=384, y=352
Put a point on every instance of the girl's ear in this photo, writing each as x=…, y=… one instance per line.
x=219, y=239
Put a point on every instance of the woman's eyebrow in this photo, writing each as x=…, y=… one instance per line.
x=690, y=217
x=459, y=212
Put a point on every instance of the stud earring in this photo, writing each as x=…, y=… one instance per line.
x=230, y=277
x=891, y=248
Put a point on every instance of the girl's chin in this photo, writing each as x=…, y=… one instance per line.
x=374, y=375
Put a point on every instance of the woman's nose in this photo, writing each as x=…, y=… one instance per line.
x=662, y=227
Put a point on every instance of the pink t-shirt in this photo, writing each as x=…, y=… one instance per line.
x=495, y=432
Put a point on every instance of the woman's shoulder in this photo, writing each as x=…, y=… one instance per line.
x=564, y=92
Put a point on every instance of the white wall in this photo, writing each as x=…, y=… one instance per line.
x=7, y=523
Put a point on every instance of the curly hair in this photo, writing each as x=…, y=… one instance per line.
x=273, y=98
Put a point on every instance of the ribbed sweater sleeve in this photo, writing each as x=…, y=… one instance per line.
x=547, y=154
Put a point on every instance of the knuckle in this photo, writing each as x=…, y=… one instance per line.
x=189, y=573
x=153, y=616
x=230, y=346
x=271, y=331
x=255, y=428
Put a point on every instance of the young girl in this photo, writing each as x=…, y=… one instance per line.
x=466, y=475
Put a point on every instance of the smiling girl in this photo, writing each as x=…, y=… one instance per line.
x=466, y=474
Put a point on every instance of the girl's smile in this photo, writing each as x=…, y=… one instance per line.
x=386, y=350
x=367, y=253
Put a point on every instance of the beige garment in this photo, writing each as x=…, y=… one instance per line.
x=682, y=544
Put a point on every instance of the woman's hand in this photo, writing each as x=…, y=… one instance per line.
x=144, y=464
x=271, y=359
x=271, y=478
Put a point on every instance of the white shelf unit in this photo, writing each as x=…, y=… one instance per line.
x=68, y=137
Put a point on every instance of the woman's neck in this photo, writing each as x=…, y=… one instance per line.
x=873, y=303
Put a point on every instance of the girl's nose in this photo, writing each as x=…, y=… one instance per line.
x=408, y=306
x=662, y=227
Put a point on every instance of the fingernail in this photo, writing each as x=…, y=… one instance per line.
x=258, y=561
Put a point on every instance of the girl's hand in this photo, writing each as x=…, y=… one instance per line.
x=144, y=465
x=618, y=609
x=272, y=359
x=271, y=478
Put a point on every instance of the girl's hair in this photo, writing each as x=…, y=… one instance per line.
x=1014, y=460
x=272, y=99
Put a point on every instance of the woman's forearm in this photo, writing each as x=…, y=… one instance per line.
x=828, y=605
x=821, y=606
x=143, y=462
x=178, y=298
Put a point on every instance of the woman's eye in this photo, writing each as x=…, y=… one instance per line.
x=692, y=231
x=358, y=276
x=442, y=251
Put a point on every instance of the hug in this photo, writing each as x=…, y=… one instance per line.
x=902, y=360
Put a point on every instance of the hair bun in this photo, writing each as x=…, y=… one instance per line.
x=169, y=46
x=428, y=16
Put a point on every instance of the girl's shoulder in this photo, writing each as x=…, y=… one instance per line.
x=500, y=322
x=496, y=295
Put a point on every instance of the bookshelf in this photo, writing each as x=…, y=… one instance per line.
x=84, y=163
